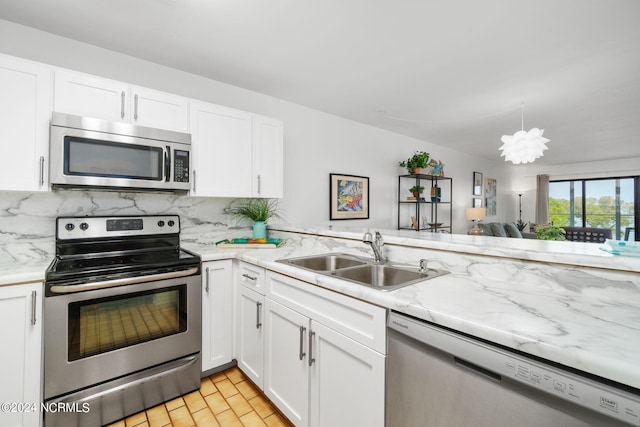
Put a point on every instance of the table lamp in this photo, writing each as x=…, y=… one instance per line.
x=476, y=215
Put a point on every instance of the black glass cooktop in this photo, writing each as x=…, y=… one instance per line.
x=91, y=266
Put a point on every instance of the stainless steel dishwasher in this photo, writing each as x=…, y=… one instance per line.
x=436, y=377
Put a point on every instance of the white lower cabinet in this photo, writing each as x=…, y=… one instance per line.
x=21, y=360
x=250, y=333
x=316, y=371
x=217, y=314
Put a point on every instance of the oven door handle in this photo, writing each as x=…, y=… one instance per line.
x=68, y=289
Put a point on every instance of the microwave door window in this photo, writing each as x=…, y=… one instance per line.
x=86, y=157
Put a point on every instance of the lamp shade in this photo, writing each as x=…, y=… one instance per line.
x=476, y=214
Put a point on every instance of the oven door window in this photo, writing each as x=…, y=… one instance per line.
x=89, y=157
x=103, y=325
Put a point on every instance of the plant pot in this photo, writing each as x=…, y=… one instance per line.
x=417, y=171
x=259, y=230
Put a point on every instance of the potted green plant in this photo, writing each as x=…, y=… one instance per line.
x=550, y=232
x=416, y=162
x=256, y=210
x=416, y=191
x=521, y=225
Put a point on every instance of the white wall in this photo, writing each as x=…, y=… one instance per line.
x=316, y=143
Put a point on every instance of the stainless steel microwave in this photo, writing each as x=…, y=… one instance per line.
x=87, y=152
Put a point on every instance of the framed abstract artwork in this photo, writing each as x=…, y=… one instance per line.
x=348, y=197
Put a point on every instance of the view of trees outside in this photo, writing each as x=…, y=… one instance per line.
x=605, y=205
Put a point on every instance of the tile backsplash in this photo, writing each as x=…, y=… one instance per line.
x=27, y=220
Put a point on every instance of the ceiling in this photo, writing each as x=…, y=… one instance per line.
x=450, y=72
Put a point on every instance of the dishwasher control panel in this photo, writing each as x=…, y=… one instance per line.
x=565, y=385
x=500, y=364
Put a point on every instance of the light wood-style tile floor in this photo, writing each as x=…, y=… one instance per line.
x=226, y=399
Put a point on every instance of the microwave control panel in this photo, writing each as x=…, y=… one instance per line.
x=181, y=166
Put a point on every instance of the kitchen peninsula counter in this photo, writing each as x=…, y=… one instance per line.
x=566, y=302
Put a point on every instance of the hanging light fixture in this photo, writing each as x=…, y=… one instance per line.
x=522, y=146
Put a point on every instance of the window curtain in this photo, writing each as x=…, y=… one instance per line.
x=542, y=199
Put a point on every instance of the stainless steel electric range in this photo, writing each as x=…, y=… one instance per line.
x=122, y=314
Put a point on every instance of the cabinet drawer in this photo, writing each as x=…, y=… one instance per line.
x=356, y=319
x=251, y=276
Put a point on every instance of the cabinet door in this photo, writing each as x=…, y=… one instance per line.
x=160, y=110
x=347, y=381
x=90, y=96
x=221, y=151
x=250, y=334
x=286, y=370
x=217, y=314
x=25, y=106
x=268, y=146
x=21, y=332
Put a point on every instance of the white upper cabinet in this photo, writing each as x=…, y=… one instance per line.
x=25, y=106
x=268, y=146
x=161, y=110
x=221, y=151
x=91, y=96
x=235, y=153
x=85, y=95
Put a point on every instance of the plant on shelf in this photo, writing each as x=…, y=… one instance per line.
x=416, y=191
x=416, y=162
x=256, y=210
x=550, y=232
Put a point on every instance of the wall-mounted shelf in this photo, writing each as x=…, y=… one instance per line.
x=433, y=211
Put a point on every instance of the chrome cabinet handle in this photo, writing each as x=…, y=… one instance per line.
x=301, y=353
x=259, y=184
x=34, y=300
x=258, y=322
x=194, y=180
x=246, y=276
x=135, y=107
x=122, y=105
x=311, y=359
x=41, y=171
x=206, y=285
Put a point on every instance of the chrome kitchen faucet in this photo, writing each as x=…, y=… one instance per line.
x=377, y=245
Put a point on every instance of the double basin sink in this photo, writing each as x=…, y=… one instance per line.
x=364, y=271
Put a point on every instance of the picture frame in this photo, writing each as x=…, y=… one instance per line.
x=477, y=202
x=490, y=192
x=348, y=197
x=477, y=184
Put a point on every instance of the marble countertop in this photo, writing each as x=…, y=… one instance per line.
x=585, y=318
x=569, y=253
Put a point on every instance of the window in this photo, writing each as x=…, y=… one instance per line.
x=602, y=203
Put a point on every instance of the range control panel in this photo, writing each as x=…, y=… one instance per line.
x=68, y=228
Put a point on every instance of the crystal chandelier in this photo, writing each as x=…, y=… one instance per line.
x=522, y=146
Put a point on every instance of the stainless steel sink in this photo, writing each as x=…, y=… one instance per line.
x=363, y=271
x=326, y=262
x=386, y=277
